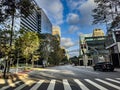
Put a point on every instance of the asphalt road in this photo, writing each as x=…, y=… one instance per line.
x=71, y=72
x=68, y=77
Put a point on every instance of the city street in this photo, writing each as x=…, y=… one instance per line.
x=53, y=44
x=66, y=77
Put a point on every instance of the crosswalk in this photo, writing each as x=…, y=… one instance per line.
x=67, y=84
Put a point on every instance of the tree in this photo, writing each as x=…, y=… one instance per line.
x=9, y=10
x=28, y=43
x=116, y=23
x=106, y=12
x=57, y=53
x=74, y=60
x=5, y=49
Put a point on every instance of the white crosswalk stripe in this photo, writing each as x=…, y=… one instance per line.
x=113, y=80
x=23, y=85
x=66, y=85
x=96, y=85
x=51, y=85
x=12, y=84
x=110, y=84
x=118, y=78
x=36, y=86
x=81, y=85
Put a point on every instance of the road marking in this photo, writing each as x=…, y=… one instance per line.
x=81, y=85
x=12, y=84
x=110, y=84
x=66, y=85
x=113, y=80
x=36, y=86
x=95, y=84
x=118, y=78
x=51, y=85
x=23, y=85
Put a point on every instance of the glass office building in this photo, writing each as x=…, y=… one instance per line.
x=37, y=21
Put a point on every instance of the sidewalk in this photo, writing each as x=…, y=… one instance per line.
x=21, y=73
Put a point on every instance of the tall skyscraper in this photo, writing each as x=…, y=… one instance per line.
x=37, y=21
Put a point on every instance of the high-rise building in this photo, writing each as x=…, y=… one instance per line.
x=98, y=32
x=56, y=32
x=37, y=21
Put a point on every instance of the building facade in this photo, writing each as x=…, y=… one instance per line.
x=83, y=49
x=113, y=45
x=96, y=48
x=82, y=43
x=98, y=32
x=56, y=32
x=92, y=47
x=37, y=21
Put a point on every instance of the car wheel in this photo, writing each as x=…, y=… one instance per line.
x=112, y=70
x=103, y=70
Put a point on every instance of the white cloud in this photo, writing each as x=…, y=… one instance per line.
x=72, y=54
x=84, y=8
x=54, y=10
x=74, y=4
x=86, y=12
x=73, y=18
x=73, y=28
x=66, y=42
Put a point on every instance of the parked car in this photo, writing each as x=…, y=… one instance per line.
x=104, y=66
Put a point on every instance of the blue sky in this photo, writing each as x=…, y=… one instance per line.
x=73, y=17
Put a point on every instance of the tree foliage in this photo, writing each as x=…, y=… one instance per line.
x=9, y=9
x=12, y=7
x=28, y=43
x=107, y=11
x=5, y=49
x=57, y=54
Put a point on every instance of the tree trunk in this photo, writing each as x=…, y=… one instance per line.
x=5, y=69
x=32, y=64
x=26, y=63
x=12, y=27
x=11, y=36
